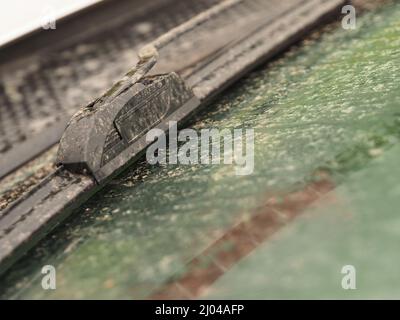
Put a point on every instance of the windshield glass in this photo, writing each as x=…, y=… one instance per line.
x=320, y=122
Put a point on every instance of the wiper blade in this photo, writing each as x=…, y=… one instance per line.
x=108, y=135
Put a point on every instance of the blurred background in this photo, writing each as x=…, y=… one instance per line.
x=21, y=16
